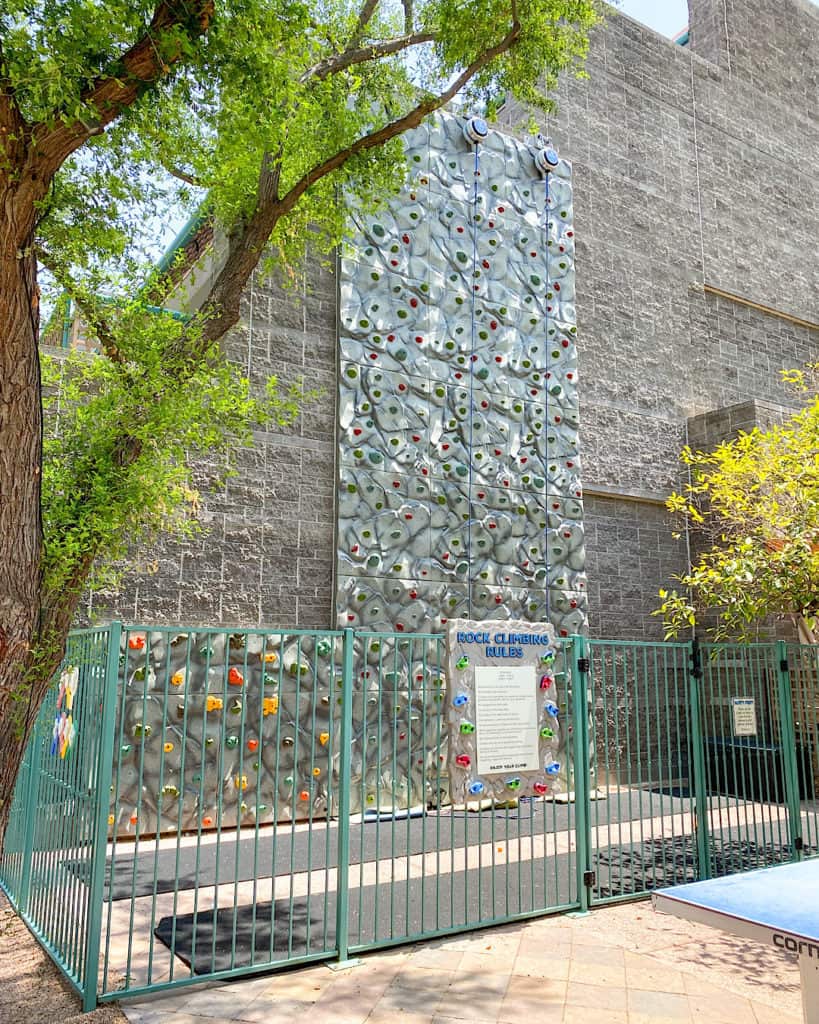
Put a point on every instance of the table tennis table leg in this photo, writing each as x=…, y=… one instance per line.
x=809, y=973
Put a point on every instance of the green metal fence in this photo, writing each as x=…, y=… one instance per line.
x=234, y=802
x=53, y=860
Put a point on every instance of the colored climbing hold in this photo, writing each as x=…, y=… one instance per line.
x=133, y=818
x=207, y=821
x=270, y=657
x=235, y=677
x=167, y=747
x=553, y=768
x=324, y=738
x=236, y=707
x=270, y=706
x=214, y=703
x=136, y=643
x=540, y=788
x=317, y=771
x=552, y=709
x=178, y=678
x=304, y=796
x=467, y=728
x=111, y=819
x=462, y=662
x=460, y=700
x=546, y=733
x=324, y=647
x=140, y=729
x=546, y=682
x=232, y=741
x=252, y=745
x=170, y=790
x=240, y=782
x=513, y=784
x=464, y=760
x=476, y=787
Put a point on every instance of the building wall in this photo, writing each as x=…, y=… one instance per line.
x=694, y=181
x=694, y=170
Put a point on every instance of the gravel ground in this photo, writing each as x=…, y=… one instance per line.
x=33, y=990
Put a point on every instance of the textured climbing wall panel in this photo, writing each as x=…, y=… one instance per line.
x=219, y=729
x=460, y=486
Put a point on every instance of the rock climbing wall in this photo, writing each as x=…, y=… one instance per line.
x=458, y=417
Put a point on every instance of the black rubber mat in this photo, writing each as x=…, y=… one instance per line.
x=245, y=935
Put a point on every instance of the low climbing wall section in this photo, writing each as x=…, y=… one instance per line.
x=459, y=484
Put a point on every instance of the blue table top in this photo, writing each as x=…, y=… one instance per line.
x=785, y=897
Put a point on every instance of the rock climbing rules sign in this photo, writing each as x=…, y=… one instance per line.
x=506, y=719
x=502, y=710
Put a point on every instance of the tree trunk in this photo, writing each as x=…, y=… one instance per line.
x=20, y=460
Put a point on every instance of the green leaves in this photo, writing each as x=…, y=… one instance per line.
x=753, y=512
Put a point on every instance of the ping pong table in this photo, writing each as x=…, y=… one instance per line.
x=778, y=906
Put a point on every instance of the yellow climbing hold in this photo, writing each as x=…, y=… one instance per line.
x=168, y=747
x=270, y=706
x=240, y=782
x=214, y=703
x=271, y=657
x=177, y=679
x=317, y=771
x=324, y=738
x=110, y=819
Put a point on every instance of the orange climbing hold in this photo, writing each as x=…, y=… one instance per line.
x=235, y=677
x=207, y=821
x=136, y=642
x=324, y=738
x=252, y=744
x=304, y=795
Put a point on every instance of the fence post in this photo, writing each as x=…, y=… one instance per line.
x=29, y=802
x=580, y=754
x=344, y=784
x=105, y=757
x=701, y=821
x=788, y=738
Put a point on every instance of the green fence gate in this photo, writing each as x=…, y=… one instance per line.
x=235, y=801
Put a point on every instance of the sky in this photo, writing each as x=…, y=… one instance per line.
x=666, y=16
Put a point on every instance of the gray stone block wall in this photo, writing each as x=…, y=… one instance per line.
x=265, y=555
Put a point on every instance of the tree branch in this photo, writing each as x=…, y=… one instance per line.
x=338, y=62
x=189, y=179
x=88, y=309
x=364, y=18
x=147, y=61
x=247, y=242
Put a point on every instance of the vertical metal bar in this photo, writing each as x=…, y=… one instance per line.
x=580, y=713
x=788, y=745
x=344, y=783
x=698, y=759
x=104, y=768
x=30, y=814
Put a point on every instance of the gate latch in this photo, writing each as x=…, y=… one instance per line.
x=583, y=664
x=589, y=879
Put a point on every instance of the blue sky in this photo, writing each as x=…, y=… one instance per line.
x=666, y=16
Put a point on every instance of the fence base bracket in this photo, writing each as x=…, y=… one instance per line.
x=345, y=965
x=578, y=913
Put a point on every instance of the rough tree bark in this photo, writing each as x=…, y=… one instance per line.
x=32, y=637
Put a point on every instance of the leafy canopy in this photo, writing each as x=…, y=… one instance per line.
x=754, y=504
